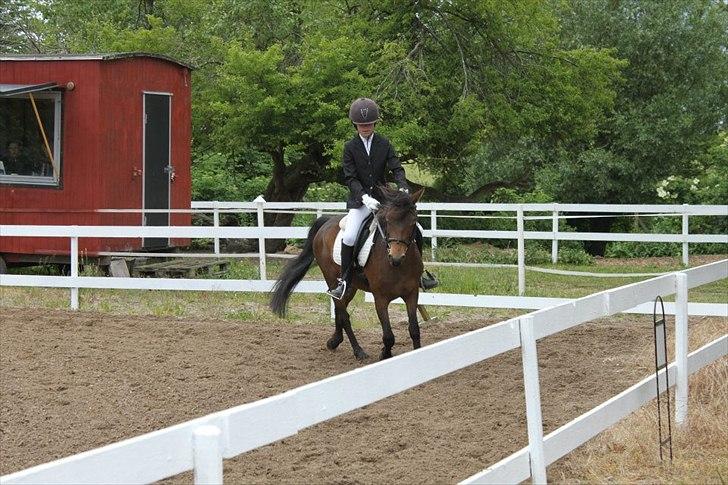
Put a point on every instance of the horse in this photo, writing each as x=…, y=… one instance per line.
x=393, y=270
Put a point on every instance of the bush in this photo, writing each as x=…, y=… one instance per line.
x=575, y=256
x=326, y=192
x=216, y=176
x=666, y=225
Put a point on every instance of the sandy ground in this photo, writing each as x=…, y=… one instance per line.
x=73, y=381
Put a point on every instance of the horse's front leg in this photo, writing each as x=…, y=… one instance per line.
x=414, y=326
x=382, y=305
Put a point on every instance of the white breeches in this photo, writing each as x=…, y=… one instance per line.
x=353, y=223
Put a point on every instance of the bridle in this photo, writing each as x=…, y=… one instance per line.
x=390, y=240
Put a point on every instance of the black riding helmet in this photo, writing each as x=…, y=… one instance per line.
x=363, y=111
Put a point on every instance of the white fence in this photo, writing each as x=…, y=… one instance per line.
x=439, y=211
x=436, y=210
x=75, y=282
x=201, y=444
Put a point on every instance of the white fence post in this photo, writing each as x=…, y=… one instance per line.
x=260, y=203
x=555, y=230
x=533, y=400
x=216, y=223
x=74, y=271
x=521, y=253
x=433, y=227
x=685, y=231
x=207, y=455
x=681, y=347
x=319, y=213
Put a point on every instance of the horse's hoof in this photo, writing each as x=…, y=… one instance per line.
x=361, y=355
x=333, y=343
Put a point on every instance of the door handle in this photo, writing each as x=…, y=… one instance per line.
x=170, y=170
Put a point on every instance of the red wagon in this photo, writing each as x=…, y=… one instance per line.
x=84, y=133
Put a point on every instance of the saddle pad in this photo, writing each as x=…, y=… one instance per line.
x=366, y=248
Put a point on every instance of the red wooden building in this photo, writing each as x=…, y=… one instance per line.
x=82, y=133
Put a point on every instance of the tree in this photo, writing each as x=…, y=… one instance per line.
x=468, y=83
x=672, y=102
x=18, y=28
x=483, y=94
x=292, y=112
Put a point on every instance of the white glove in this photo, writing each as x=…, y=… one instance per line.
x=371, y=203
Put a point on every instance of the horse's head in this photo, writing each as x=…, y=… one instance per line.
x=397, y=219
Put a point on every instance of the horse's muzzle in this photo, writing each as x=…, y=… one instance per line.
x=396, y=260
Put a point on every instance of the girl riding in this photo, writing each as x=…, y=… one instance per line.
x=367, y=158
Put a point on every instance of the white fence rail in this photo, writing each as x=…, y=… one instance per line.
x=173, y=450
x=261, y=233
x=557, y=212
x=441, y=211
x=75, y=282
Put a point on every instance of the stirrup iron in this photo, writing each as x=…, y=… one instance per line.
x=338, y=292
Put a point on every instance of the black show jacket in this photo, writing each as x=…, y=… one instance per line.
x=364, y=173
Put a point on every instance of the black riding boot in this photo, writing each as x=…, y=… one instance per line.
x=427, y=281
x=346, y=257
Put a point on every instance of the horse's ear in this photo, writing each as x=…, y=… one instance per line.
x=417, y=195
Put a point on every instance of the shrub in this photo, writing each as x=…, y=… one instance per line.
x=326, y=192
x=575, y=256
x=666, y=225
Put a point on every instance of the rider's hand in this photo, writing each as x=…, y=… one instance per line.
x=371, y=203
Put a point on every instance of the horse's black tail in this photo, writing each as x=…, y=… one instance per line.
x=294, y=271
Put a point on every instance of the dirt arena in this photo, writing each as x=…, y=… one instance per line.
x=73, y=381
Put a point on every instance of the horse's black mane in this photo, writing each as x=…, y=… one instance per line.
x=396, y=199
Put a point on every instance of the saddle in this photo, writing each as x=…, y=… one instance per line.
x=364, y=241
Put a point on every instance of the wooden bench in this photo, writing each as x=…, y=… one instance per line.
x=184, y=268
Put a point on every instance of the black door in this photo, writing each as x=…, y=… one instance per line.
x=157, y=165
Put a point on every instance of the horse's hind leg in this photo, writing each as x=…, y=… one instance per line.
x=358, y=351
x=414, y=326
x=338, y=336
x=344, y=323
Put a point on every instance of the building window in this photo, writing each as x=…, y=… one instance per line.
x=30, y=138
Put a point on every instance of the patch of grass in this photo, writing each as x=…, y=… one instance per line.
x=476, y=281
x=243, y=270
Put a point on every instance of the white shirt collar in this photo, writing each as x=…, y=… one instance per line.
x=367, y=142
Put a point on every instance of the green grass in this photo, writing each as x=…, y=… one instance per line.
x=314, y=309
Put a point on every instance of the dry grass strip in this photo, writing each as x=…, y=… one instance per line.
x=628, y=452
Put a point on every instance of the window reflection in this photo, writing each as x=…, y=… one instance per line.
x=24, y=155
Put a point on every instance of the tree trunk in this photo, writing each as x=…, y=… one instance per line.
x=598, y=224
x=289, y=184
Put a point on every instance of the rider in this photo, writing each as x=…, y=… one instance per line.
x=367, y=157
